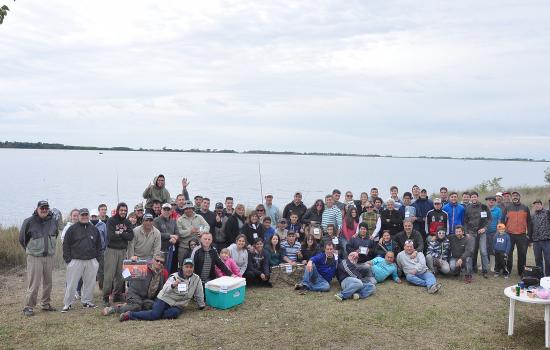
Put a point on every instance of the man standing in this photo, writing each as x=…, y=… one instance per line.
x=81, y=248
x=207, y=214
x=146, y=242
x=271, y=210
x=119, y=233
x=229, y=210
x=38, y=236
x=436, y=219
x=331, y=215
x=167, y=227
x=296, y=207
x=455, y=212
x=541, y=236
x=413, y=264
x=102, y=228
x=102, y=209
x=220, y=239
x=336, y=194
x=443, y=194
x=496, y=218
x=138, y=210
x=517, y=219
x=423, y=205
x=189, y=226
x=477, y=218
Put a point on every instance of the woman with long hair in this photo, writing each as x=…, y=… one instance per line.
x=235, y=223
x=252, y=229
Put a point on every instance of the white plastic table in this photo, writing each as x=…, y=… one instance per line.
x=525, y=299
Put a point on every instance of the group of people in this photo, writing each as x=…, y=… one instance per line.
x=361, y=242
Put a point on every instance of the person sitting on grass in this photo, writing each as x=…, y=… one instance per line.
x=320, y=270
x=239, y=253
x=351, y=280
x=309, y=248
x=382, y=268
x=225, y=255
x=273, y=251
x=257, y=272
x=292, y=253
x=414, y=266
x=176, y=293
x=362, y=244
x=385, y=244
x=462, y=248
x=143, y=291
x=438, y=253
x=330, y=237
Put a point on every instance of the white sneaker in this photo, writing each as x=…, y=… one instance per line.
x=66, y=309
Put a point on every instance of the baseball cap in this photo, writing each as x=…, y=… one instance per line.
x=84, y=211
x=219, y=205
x=167, y=205
x=282, y=221
x=505, y=192
x=488, y=198
x=268, y=195
x=147, y=216
x=188, y=261
x=188, y=204
x=138, y=207
x=42, y=203
x=498, y=194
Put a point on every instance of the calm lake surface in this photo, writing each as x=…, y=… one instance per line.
x=71, y=179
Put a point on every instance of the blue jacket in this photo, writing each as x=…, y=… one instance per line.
x=501, y=243
x=326, y=270
x=423, y=206
x=383, y=270
x=496, y=215
x=456, y=215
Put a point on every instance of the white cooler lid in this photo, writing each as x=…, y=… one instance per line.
x=226, y=283
x=545, y=282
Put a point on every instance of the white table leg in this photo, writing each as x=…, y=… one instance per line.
x=511, y=316
x=546, y=325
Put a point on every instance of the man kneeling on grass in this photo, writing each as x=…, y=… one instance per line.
x=414, y=266
x=142, y=292
x=320, y=270
x=174, y=296
x=351, y=280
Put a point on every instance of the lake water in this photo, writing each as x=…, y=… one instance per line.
x=71, y=179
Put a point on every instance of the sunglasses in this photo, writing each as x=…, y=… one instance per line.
x=44, y=208
x=260, y=210
x=159, y=261
x=369, y=207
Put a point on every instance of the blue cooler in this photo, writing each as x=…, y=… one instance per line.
x=225, y=292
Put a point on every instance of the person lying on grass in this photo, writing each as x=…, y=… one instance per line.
x=180, y=288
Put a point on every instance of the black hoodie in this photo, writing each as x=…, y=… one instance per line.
x=119, y=230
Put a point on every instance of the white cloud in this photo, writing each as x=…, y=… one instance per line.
x=384, y=77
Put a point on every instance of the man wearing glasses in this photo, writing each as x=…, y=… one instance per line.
x=143, y=291
x=81, y=248
x=38, y=236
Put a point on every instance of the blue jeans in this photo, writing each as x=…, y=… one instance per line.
x=315, y=282
x=160, y=310
x=481, y=246
x=426, y=279
x=542, y=250
x=351, y=285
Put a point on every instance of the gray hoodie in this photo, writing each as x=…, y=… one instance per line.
x=408, y=265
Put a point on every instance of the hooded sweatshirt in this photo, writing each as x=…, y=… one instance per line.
x=154, y=192
x=39, y=236
x=119, y=230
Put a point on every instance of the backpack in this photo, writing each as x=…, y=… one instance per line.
x=532, y=276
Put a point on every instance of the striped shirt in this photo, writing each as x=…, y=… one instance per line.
x=333, y=216
x=290, y=251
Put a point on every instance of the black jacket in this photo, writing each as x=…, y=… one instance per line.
x=81, y=242
x=416, y=237
x=312, y=214
x=258, y=263
x=249, y=232
x=232, y=227
x=292, y=208
x=347, y=269
x=119, y=232
x=198, y=260
x=391, y=220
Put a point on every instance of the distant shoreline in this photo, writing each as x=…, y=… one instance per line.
x=59, y=146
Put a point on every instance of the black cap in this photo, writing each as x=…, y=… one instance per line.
x=488, y=198
x=84, y=211
x=43, y=203
x=147, y=216
x=219, y=205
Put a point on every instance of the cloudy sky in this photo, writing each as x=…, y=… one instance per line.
x=460, y=78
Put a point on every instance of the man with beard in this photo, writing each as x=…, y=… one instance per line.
x=517, y=219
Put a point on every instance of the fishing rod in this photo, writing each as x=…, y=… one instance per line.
x=261, y=186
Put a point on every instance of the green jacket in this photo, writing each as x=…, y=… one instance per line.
x=39, y=236
x=153, y=192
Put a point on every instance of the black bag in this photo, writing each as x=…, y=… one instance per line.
x=531, y=276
